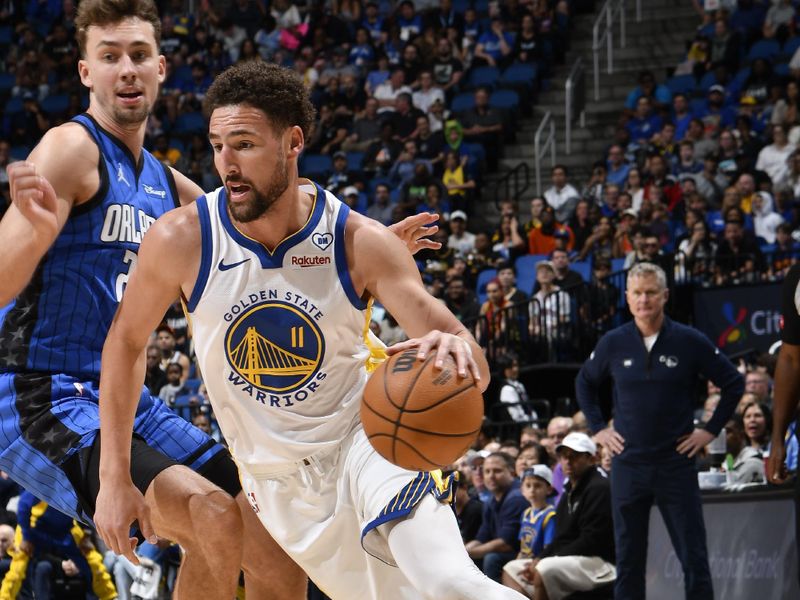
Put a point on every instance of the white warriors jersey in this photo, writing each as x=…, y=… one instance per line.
x=279, y=335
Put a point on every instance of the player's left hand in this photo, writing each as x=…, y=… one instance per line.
x=443, y=344
x=415, y=230
x=692, y=443
x=527, y=572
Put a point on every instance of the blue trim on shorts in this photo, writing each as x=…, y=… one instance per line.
x=403, y=502
x=207, y=243
x=340, y=256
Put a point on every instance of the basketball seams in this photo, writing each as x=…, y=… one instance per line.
x=405, y=401
x=452, y=395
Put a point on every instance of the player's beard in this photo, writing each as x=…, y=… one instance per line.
x=261, y=201
x=135, y=116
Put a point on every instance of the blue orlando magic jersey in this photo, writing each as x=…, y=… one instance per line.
x=60, y=320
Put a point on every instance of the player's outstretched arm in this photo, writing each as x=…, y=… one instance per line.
x=381, y=266
x=43, y=191
x=170, y=253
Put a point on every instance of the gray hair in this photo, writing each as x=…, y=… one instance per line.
x=646, y=269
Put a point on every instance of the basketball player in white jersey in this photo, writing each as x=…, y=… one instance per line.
x=276, y=274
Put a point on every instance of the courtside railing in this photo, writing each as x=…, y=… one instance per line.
x=575, y=101
x=603, y=36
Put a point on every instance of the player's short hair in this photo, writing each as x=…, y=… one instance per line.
x=647, y=269
x=276, y=91
x=109, y=12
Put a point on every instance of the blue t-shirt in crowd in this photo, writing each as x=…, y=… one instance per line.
x=662, y=95
x=491, y=43
x=618, y=176
x=537, y=529
x=501, y=519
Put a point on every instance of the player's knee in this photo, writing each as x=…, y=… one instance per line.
x=215, y=514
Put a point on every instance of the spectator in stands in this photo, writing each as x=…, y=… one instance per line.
x=757, y=418
x=694, y=260
x=785, y=255
x=494, y=46
x=561, y=196
x=580, y=224
x=785, y=112
x=538, y=204
x=457, y=180
x=468, y=509
x=725, y=47
x=686, y=163
x=633, y=186
x=617, y=167
x=538, y=525
x=566, y=278
x=409, y=166
x=773, y=159
x=430, y=144
x=748, y=462
x=328, y=132
x=541, y=240
x=512, y=392
x=601, y=243
x=527, y=46
x=507, y=276
x=427, y=93
x=404, y=118
x=155, y=377
x=381, y=208
x=382, y=155
x=484, y=125
x=340, y=177
x=681, y=116
x=165, y=340
x=550, y=310
x=460, y=240
x=765, y=219
x=581, y=555
x=609, y=203
x=530, y=454
x=644, y=124
x=497, y=541
x=658, y=94
x=461, y=302
x=647, y=439
x=174, y=386
x=738, y=256
x=716, y=116
x=703, y=144
x=447, y=69
x=601, y=305
x=510, y=243
x=387, y=92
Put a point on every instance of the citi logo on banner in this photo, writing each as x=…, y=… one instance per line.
x=760, y=322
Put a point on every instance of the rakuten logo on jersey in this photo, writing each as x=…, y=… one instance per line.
x=315, y=260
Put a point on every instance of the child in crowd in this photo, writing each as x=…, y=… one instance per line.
x=538, y=523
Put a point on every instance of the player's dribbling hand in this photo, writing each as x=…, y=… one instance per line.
x=692, y=443
x=444, y=344
x=415, y=230
x=34, y=197
x=776, y=467
x=115, y=513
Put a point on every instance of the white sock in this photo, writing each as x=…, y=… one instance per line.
x=428, y=549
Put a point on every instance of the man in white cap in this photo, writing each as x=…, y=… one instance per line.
x=581, y=556
x=460, y=240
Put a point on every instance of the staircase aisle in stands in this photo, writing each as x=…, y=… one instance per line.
x=657, y=43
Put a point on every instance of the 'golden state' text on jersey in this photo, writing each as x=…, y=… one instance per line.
x=279, y=335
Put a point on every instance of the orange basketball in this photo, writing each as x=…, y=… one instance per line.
x=418, y=417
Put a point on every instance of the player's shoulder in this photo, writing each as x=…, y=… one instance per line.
x=66, y=140
x=177, y=231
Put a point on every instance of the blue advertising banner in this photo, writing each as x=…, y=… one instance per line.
x=751, y=549
x=742, y=318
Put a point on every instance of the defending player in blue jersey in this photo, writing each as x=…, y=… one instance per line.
x=81, y=205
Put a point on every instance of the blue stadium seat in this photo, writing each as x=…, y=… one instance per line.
x=354, y=160
x=19, y=152
x=13, y=106
x=781, y=70
x=6, y=35
x=681, y=84
x=767, y=49
x=697, y=106
x=520, y=74
x=193, y=385
x=484, y=277
x=183, y=407
x=316, y=164
x=7, y=81
x=525, y=267
x=790, y=47
x=483, y=77
x=707, y=81
x=463, y=102
x=55, y=104
x=583, y=268
x=504, y=100
x=189, y=123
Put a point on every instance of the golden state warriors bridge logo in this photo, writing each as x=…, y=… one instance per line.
x=276, y=347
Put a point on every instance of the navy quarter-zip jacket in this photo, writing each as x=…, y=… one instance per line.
x=655, y=392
